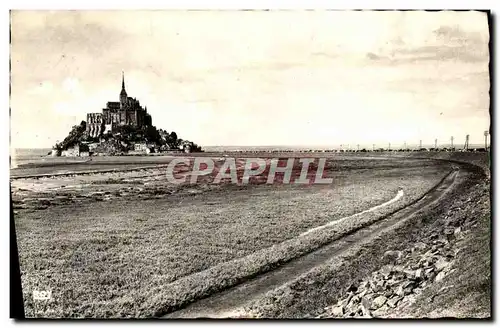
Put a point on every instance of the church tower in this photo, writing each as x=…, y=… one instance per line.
x=123, y=93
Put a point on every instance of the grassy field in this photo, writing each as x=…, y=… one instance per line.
x=127, y=255
x=464, y=293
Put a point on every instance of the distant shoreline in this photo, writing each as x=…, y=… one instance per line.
x=251, y=148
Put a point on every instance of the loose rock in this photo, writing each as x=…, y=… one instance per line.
x=392, y=256
x=365, y=306
x=394, y=301
x=441, y=264
x=337, y=311
x=378, y=302
x=440, y=276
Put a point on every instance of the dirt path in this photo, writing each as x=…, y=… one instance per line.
x=232, y=301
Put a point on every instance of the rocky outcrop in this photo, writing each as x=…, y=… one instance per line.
x=123, y=140
x=74, y=137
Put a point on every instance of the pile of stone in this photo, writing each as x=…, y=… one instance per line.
x=398, y=282
x=408, y=272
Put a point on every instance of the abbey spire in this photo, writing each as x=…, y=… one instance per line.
x=123, y=93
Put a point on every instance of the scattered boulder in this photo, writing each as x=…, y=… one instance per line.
x=404, y=289
x=441, y=264
x=430, y=273
x=394, y=301
x=337, y=311
x=440, y=276
x=365, y=306
x=378, y=302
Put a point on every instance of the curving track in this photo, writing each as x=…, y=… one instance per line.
x=231, y=302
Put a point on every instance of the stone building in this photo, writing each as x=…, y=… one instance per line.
x=127, y=111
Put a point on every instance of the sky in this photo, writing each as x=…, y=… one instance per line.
x=255, y=78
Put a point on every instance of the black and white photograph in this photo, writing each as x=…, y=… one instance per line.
x=251, y=164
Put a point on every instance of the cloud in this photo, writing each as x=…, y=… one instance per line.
x=446, y=43
x=372, y=56
x=456, y=35
x=315, y=73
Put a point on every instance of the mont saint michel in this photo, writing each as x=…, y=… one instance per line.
x=122, y=127
x=126, y=112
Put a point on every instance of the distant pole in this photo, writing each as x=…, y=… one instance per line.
x=420, y=145
x=373, y=147
x=435, y=144
x=389, y=146
x=358, y=147
x=451, y=142
x=466, y=142
x=405, y=145
x=486, y=140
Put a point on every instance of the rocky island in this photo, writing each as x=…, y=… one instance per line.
x=122, y=127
